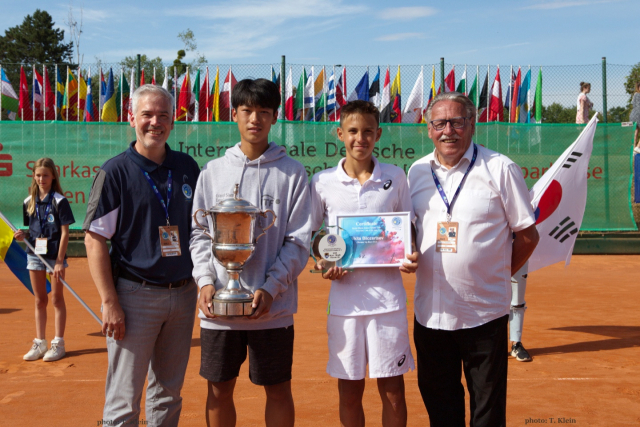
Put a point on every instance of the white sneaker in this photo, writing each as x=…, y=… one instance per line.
x=38, y=349
x=56, y=352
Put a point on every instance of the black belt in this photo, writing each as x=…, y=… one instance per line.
x=124, y=274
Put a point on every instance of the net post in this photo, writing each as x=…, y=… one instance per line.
x=283, y=84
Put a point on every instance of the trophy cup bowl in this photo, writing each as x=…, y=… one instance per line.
x=233, y=244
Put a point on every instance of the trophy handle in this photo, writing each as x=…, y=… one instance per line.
x=264, y=214
x=204, y=229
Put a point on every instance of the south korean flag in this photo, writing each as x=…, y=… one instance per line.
x=559, y=199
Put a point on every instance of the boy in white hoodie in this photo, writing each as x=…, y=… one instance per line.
x=268, y=179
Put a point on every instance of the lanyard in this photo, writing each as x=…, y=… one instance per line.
x=165, y=206
x=455, y=196
x=47, y=209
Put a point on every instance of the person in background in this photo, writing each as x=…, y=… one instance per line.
x=584, y=105
x=48, y=215
x=634, y=116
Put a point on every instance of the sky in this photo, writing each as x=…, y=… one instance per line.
x=535, y=32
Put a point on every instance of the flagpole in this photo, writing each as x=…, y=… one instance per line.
x=44, y=90
x=121, y=95
x=324, y=93
x=100, y=96
x=43, y=103
x=186, y=115
x=489, y=90
x=55, y=103
x=529, y=98
x=313, y=91
x=87, y=99
x=78, y=114
x=46, y=263
x=33, y=92
x=230, y=88
x=335, y=93
x=368, y=77
x=206, y=79
x=466, y=77
x=422, y=88
x=477, y=100
x=511, y=84
x=66, y=90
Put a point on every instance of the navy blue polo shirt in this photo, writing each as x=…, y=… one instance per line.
x=59, y=214
x=123, y=208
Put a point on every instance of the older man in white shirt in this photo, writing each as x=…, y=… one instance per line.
x=476, y=228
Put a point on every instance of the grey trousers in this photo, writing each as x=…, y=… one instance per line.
x=157, y=342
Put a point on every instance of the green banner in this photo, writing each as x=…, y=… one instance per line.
x=79, y=149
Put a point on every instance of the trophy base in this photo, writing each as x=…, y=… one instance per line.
x=227, y=308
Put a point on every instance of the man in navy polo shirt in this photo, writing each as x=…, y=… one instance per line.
x=141, y=201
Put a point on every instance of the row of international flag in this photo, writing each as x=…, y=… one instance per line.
x=317, y=97
x=322, y=97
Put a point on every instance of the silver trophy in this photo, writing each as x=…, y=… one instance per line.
x=233, y=243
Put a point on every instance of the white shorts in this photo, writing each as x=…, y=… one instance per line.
x=380, y=339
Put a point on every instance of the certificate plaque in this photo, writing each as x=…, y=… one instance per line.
x=375, y=240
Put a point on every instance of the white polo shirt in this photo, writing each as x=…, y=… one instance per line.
x=363, y=291
x=473, y=286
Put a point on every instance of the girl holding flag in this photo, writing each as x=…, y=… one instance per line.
x=48, y=215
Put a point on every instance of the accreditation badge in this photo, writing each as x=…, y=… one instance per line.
x=170, y=240
x=447, y=237
x=41, y=246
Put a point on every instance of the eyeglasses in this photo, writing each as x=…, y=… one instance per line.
x=456, y=123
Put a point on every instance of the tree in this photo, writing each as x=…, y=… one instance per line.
x=618, y=114
x=147, y=63
x=556, y=113
x=75, y=28
x=35, y=41
x=632, y=79
x=190, y=45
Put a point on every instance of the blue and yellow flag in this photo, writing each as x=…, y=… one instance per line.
x=15, y=257
x=59, y=95
x=109, y=110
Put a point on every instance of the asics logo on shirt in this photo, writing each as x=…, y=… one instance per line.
x=387, y=184
x=402, y=359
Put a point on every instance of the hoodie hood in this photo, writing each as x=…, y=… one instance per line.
x=235, y=157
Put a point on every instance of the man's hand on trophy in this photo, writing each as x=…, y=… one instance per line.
x=205, y=302
x=262, y=301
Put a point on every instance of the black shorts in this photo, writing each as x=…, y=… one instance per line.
x=224, y=351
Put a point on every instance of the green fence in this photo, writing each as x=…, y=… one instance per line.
x=80, y=148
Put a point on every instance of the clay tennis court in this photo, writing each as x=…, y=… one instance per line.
x=582, y=328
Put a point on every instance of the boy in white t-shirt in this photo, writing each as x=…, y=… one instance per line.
x=367, y=321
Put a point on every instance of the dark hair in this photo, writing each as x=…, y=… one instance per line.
x=359, y=107
x=583, y=85
x=256, y=93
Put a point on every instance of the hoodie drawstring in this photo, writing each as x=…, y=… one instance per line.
x=244, y=167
